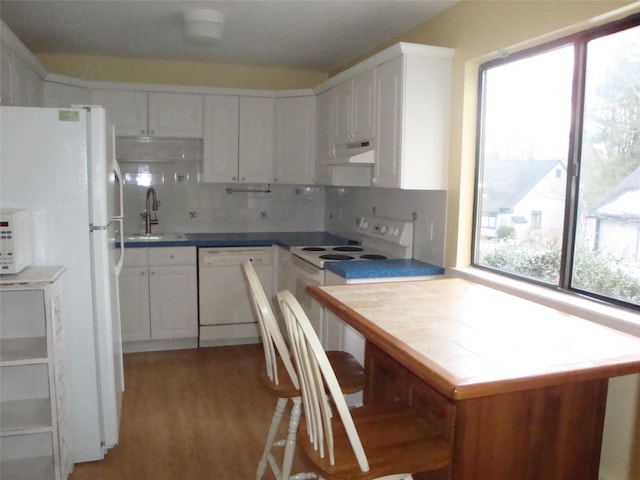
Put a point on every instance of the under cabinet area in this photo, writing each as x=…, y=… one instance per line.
x=34, y=410
x=158, y=299
x=158, y=114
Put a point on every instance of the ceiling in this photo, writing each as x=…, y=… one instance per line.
x=316, y=35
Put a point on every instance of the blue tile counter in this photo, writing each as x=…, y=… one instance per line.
x=356, y=269
x=256, y=239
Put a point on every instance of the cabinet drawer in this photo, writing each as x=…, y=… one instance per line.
x=172, y=256
x=136, y=257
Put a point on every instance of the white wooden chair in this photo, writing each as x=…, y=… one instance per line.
x=386, y=441
x=279, y=376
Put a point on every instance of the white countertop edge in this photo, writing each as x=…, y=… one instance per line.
x=611, y=316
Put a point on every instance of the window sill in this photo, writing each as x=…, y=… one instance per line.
x=610, y=316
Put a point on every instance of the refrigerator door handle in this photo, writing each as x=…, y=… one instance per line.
x=119, y=217
x=116, y=168
x=120, y=261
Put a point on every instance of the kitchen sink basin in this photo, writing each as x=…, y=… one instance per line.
x=154, y=237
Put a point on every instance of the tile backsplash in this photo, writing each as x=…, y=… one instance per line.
x=188, y=205
x=344, y=206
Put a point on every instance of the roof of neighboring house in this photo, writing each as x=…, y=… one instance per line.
x=623, y=201
x=506, y=183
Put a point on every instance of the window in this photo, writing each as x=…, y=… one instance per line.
x=559, y=137
x=536, y=220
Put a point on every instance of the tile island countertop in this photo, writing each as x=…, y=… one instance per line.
x=469, y=340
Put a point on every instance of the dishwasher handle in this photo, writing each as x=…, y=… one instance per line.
x=225, y=257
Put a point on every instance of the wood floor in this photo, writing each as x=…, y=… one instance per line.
x=190, y=414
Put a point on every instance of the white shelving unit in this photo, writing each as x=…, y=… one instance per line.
x=34, y=419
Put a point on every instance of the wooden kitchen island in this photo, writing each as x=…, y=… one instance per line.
x=519, y=388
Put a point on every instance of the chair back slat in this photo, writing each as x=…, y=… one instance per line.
x=272, y=339
x=315, y=372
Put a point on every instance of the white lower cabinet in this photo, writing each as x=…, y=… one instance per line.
x=34, y=411
x=159, y=298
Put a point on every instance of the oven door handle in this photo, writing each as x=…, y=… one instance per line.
x=305, y=267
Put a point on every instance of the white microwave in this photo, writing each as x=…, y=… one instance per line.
x=15, y=240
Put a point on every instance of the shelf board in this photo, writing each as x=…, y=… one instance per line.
x=23, y=350
x=33, y=468
x=25, y=416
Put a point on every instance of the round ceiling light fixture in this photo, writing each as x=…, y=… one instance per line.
x=202, y=26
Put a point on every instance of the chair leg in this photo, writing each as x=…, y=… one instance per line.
x=290, y=447
x=273, y=430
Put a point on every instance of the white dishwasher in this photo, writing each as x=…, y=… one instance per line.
x=225, y=314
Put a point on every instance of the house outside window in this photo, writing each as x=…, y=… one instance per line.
x=559, y=137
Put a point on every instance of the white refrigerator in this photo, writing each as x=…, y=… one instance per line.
x=60, y=164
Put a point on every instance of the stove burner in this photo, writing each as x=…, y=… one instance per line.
x=347, y=249
x=314, y=249
x=372, y=256
x=331, y=256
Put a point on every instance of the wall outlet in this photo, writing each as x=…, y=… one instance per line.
x=193, y=214
x=264, y=214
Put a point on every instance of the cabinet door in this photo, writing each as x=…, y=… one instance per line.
x=175, y=115
x=220, y=155
x=363, y=127
x=343, y=109
x=295, y=147
x=127, y=110
x=325, y=105
x=134, y=304
x=28, y=84
x=173, y=302
x=7, y=74
x=255, y=156
x=59, y=95
x=386, y=170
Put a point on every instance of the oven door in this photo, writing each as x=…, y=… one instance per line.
x=298, y=275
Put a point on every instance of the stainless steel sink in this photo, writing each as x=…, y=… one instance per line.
x=154, y=237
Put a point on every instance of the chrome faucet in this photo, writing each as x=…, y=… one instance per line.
x=152, y=204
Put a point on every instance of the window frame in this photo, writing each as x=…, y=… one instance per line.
x=580, y=42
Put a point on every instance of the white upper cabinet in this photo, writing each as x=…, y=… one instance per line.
x=220, y=146
x=255, y=148
x=20, y=84
x=325, y=105
x=295, y=140
x=59, y=95
x=238, y=139
x=326, y=172
x=413, y=96
x=354, y=103
x=128, y=110
x=175, y=115
x=152, y=114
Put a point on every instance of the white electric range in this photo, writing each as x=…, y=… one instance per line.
x=382, y=238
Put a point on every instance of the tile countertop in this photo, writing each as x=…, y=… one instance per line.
x=350, y=270
x=469, y=340
x=367, y=269
x=250, y=239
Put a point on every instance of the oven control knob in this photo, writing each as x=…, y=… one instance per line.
x=383, y=229
x=396, y=232
x=365, y=224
